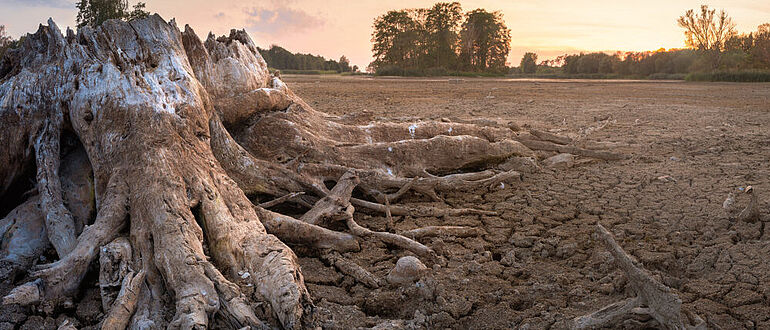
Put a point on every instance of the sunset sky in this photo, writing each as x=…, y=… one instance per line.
x=335, y=27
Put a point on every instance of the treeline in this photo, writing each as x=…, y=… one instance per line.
x=438, y=40
x=717, y=52
x=279, y=58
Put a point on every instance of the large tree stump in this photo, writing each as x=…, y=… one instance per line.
x=177, y=132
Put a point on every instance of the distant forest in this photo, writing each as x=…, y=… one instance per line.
x=279, y=58
x=716, y=52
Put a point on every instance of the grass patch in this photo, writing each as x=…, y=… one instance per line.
x=732, y=76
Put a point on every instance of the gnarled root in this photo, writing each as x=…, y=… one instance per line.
x=239, y=243
x=234, y=306
x=658, y=300
x=392, y=239
x=351, y=269
x=58, y=220
x=125, y=303
x=294, y=231
x=549, y=146
x=23, y=237
x=63, y=277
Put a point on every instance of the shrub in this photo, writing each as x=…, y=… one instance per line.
x=734, y=76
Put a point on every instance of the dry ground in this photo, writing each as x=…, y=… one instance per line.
x=538, y=262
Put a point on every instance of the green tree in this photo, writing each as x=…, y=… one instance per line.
x=398, y=38
x=442, y=24
x=528, y=63
x=344, y=64
x=95, y=12
x=760, y=52
x=485, y=41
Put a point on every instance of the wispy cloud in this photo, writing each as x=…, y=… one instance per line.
x=41, y=3
x=276, y=21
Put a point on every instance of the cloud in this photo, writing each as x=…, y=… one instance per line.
x=41, y=3
x=280, y=20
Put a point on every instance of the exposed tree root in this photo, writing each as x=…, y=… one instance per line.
x=653, y=298
x=351, y=269
x=235, y=307
x=297, y=232
x=114, y=268
x=125, y=304
x=58, y=220
x=548, y=146
x=24, y=238
x=550, y=137
x=280, y=200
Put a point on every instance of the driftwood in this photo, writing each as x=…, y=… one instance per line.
x=652, y=297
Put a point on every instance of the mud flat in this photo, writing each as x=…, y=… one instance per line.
x=539, y=262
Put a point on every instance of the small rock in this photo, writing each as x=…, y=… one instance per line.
x=408, y=269
x=521, y=241
x=560, y=161
x=509, y=259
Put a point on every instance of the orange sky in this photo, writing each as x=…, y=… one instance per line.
x=335, y=27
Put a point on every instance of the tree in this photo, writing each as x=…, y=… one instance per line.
x=485, y=41
x=398, y=38
x=5, y=40
x=95, y=12
x=442, y=25
x=344, y=64
x=760, y=52
x=705, y=31
x=528, y=63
